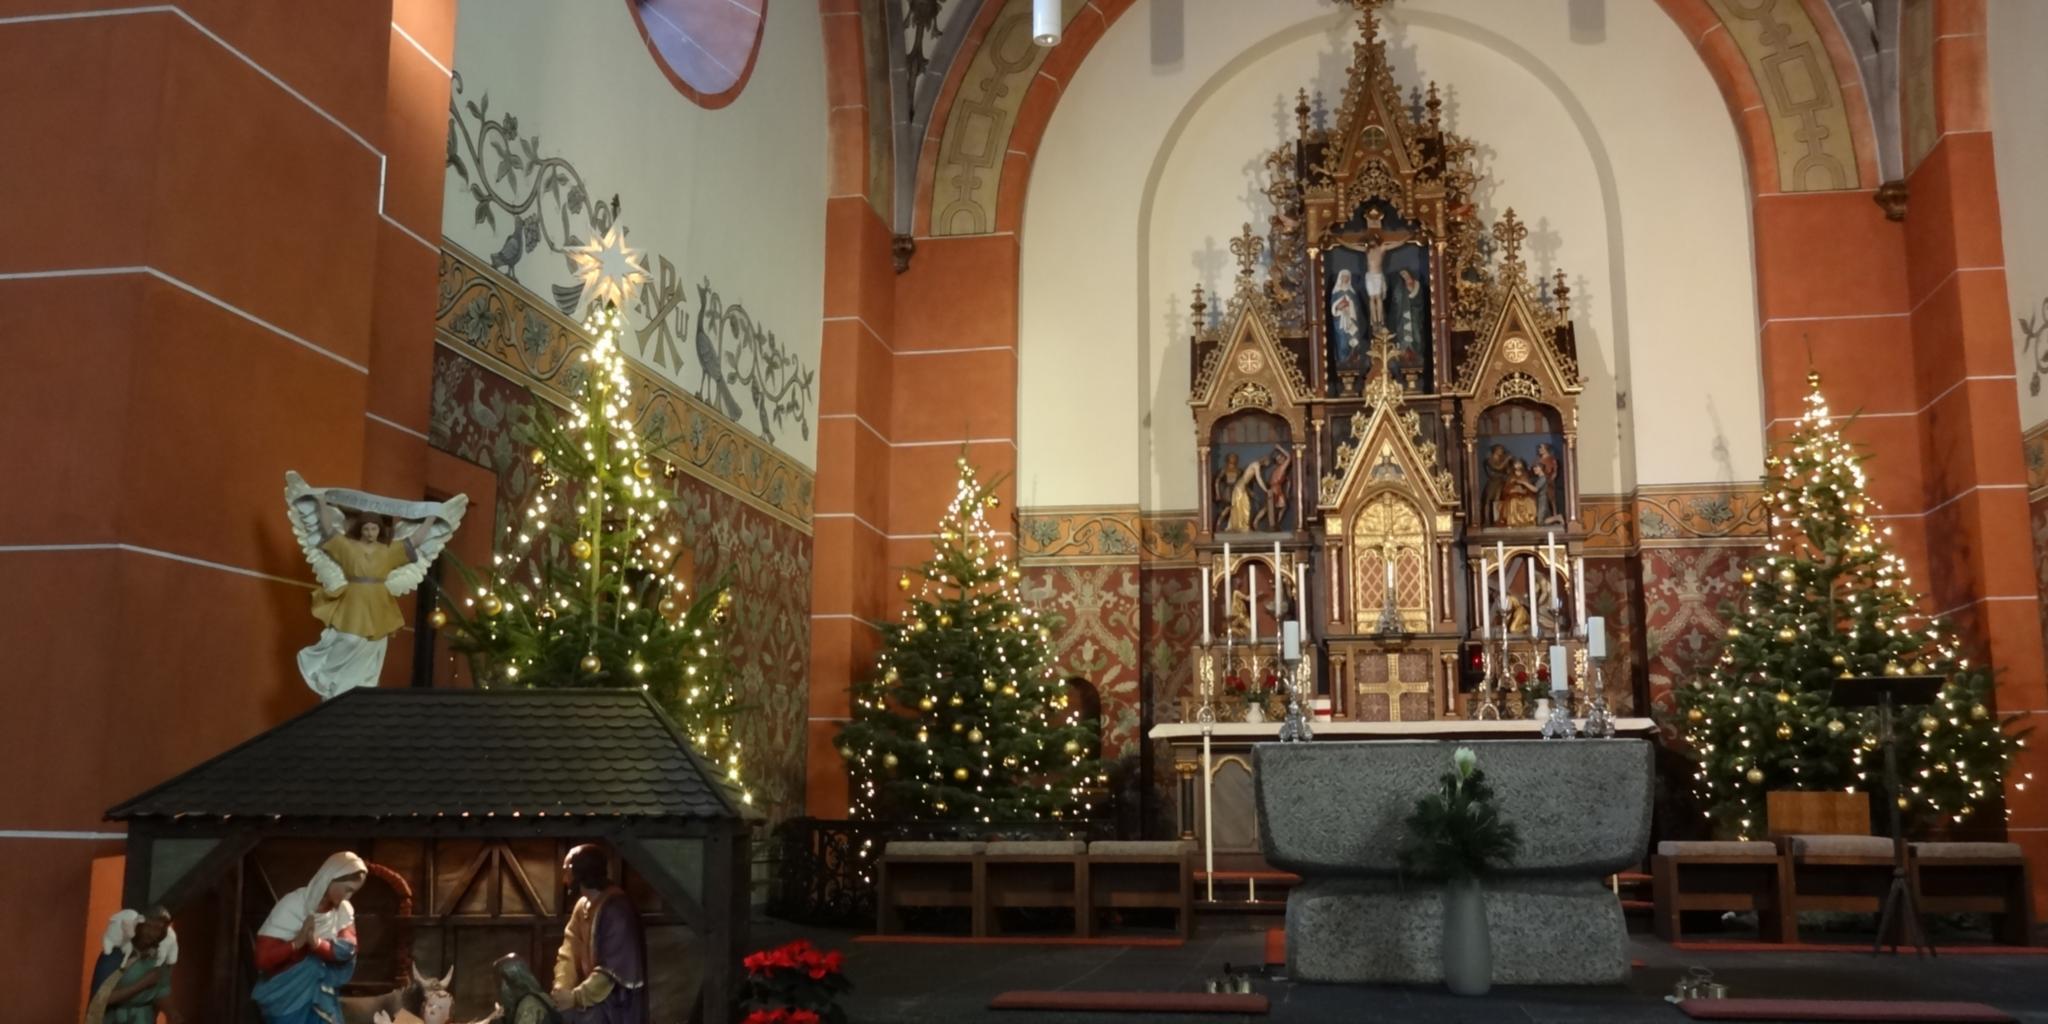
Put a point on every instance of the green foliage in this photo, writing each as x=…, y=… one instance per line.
x=583, y=590
x=1457, y=833
x=1829, y=600
x=965, y=717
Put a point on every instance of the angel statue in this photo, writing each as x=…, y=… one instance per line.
x=364, y=565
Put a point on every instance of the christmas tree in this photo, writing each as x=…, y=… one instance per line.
x=583, y=591
x=965, y=717
x=1829, y=600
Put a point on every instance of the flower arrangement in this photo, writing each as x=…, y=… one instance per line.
x=1456, y=833
x=795, y=984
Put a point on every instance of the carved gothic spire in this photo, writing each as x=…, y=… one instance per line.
x=1246, y=247
x=1510, y=233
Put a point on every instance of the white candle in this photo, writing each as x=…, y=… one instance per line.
x=1208, y=815
x=1485, y=601
x=1596, y=637
x=1500, y=561
x=1253, y=571
x=1535, y=628
x=1301, y=597
x=1205, y=606
x=1228, y=633
x=1557, y=669
x=1388, y=561
x=1579, y=590
x=1551, y=553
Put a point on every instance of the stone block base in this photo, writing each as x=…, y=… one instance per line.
x=1545, y=932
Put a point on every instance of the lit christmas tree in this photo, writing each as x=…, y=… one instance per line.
x=1829, y=600
x=965, y=717
x=583, y=591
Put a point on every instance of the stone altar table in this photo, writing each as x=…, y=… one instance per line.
x=1332, y=813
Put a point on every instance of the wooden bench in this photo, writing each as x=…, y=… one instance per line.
x=1976, y=878
x=1723, y=876
x=1129, y=875
x=931, y=874
x=1024, y=874
x=1849, y=874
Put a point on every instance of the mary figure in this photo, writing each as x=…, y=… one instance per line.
x=306, y=949
x=1344, y=320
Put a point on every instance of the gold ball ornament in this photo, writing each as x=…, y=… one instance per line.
x=890, y=761
x=1787, y=574
x=957, y=727
x=1929, y=723
x=538, y=456
x=945, y=619
x=1784, y=730
x=1835, y=727
x=580, y=548
x=492, y=605
x=545, y=613
x=1695, y=715
x=1904, y=803
x=903, y=582
x=1073, y=748
x=1016, y=573
x=590, y=663
x=1784, y=698
x=1755, y=776
x=988, y=686
x=959, y=775
x=961, y=462
x=1010, y=762
x=974, y=735
x=1734, y=631
x=918, y=626
x=1870, y=742
x=1839, y=660
x=643, y=468
x=1009, y=691
x=438, y=619
x=1979, y=711
x=953, y=701
x=1748, y=576
x=1788, y=634
x=925, y=704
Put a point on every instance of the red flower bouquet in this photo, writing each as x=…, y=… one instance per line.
x=795, y=984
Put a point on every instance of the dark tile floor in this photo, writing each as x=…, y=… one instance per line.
x=912, y=984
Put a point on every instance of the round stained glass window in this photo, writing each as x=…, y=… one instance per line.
x=706, y=47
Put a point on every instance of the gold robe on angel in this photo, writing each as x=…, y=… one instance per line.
x=364, y=607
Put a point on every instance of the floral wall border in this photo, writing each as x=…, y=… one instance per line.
x=488, y=317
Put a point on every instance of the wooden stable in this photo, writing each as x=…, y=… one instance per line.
x=464, y=803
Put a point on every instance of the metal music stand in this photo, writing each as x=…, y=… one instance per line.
x=1885, y=693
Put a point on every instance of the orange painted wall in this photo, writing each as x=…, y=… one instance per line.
x=228, y=271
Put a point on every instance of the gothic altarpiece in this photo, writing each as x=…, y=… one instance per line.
x=1388, y=408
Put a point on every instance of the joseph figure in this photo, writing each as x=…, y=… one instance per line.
x=601, y=969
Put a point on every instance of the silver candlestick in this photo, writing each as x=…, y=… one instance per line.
x=1559, y=725
x=1599, y=724
x=1295, y=728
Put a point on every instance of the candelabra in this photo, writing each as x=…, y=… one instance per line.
x=1207, y=714
x=1295, y=728
x=1496, y=668
x=1599, y=724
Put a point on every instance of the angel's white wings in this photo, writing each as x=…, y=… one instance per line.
x=303, y=504
x=440, y=519
x=427, y=544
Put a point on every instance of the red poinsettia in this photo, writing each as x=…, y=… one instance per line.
x=795, y=984
x=1521, y=676
x=1234, y=682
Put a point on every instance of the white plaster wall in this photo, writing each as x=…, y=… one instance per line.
x=2019, y=133
x=1618, y=153
x=735, y=194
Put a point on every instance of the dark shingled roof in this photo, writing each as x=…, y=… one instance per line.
x=417, y=753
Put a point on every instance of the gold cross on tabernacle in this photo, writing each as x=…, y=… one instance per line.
x=1370, y=6
x=1246, y=247
x=1510, y=233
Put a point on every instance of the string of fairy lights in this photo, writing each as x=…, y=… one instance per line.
x=970, y=656
x=597, y=489
x=1829, y=582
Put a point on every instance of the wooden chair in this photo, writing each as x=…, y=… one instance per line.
x=1976, y=878
x=1036, y=873
x=1723, y=876
x=1131, y=875
x=930, y=874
